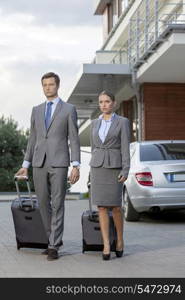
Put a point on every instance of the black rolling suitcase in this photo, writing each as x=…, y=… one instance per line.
x=29, y=229
x=92, y=240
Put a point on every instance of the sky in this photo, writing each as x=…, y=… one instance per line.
x=39, y=36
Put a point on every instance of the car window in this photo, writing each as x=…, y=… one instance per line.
x=163, y=151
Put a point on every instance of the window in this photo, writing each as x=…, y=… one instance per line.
x=171, y=151
x=110, y=17
x=124, y=5
x=115, y=12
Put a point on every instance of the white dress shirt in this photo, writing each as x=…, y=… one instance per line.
x=104, y=127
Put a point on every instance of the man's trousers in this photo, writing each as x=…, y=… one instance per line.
x=50, y=187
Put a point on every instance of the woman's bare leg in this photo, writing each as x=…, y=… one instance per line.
x=104, y=226
x=118, y=221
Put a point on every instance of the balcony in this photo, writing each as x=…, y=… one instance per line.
x=149, y=27
x=114, y=57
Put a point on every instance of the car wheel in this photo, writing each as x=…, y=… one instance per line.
x=130, y=213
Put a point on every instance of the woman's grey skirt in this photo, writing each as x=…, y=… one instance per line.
x=105, y=188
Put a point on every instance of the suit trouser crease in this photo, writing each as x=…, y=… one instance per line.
x=50, y=187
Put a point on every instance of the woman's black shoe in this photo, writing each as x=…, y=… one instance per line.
x=106, y=256
x=119, y=253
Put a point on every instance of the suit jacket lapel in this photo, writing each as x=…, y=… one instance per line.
x=42, y=114
x=97, y=127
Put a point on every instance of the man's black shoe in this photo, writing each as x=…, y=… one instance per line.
x=45, y=252
x=52, y=254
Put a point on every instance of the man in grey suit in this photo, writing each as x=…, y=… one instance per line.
x=53, y=123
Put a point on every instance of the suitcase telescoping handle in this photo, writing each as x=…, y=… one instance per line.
x=93, y=215
x=16, y=179
x=90, y=204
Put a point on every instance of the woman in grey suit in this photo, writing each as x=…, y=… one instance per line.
x=110, y=163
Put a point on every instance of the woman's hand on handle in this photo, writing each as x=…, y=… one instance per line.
x=122, y=179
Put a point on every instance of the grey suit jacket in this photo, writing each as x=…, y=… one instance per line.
x=54, y=141
x=114, y=152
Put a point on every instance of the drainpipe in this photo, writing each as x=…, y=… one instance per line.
x=135, y=83
x=136, y=88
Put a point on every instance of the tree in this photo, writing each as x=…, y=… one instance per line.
x=12, y=146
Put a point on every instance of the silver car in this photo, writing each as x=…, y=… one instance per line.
x=156, y=179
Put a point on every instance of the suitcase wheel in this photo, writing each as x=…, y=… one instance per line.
x=83, y=247
x=18, y=245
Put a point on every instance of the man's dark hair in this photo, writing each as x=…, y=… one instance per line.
x=110, y=95
x=51, y=74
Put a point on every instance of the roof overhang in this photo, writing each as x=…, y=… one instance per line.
x=91, y=80
x=100, y=5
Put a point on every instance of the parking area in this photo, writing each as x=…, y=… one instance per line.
x=154, y=247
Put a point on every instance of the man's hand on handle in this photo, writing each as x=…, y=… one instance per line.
x=74, y=176
x=22, y=173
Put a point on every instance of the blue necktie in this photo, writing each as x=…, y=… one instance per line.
x=48, y=114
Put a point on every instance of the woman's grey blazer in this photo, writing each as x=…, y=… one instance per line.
x=114, y=152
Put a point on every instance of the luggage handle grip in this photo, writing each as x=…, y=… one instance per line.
x=93, y=217
x=26, y=207
x=28, y=218
x=97, y=228
x=16, y=178
x=19, y=177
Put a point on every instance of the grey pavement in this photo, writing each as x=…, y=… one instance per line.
x=153, y=248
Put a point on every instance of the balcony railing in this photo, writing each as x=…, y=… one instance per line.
x=148, y=24
x=147, y=29
x=121, y=55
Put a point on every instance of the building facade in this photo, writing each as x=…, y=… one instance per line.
x=141, y=61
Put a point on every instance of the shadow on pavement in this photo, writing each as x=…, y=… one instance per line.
x=169, y=216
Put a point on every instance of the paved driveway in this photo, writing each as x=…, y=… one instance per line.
x=155, y=247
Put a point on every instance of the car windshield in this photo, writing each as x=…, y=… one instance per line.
x=166, y=151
